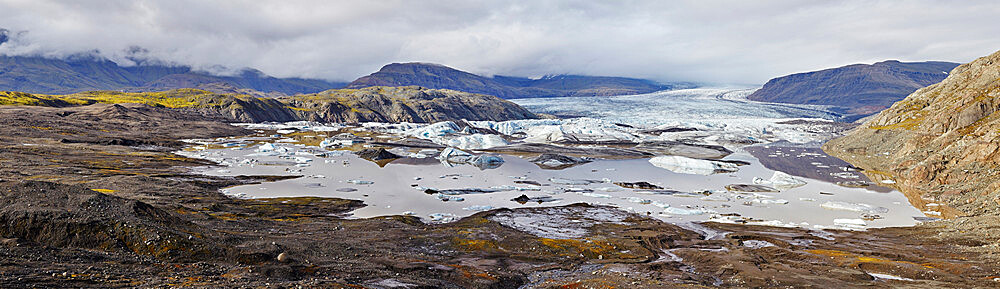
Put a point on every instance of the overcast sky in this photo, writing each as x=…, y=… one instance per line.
x=744, y=42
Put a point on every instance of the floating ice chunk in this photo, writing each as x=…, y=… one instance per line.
x=769, y=201
x=852, y=223
x=476, y=141
x=781, y=181
x=563, y=181
x=485, y=161
x=454, y=155
x=638, y=200
x=286, y=131
x=687, y=211
x=267, y=147
x=661, y=205
x=442, y=217
x=434, y=130
x=333, y=142
x=514, y=126
x=715, y=198
x=331, y=153
x=478, y=208
x=686, y=165
x=596, y=195
x=360, y=182
x=302, y=160
x=446, y=198
x=853, y=207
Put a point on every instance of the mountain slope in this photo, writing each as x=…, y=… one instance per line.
x=381, y=104
x=941, y=144
x=439, y=76
x=87, y=73
x=860, y=88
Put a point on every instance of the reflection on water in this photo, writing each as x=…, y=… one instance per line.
x=431, y=190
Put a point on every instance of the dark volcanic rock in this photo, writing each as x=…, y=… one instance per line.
x=75, y=216
x=861, y=89
x=376, y=154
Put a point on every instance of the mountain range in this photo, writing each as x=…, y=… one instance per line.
x=89, y=73
x=858, y=89
x=440, y=76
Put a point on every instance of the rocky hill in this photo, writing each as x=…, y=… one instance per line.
x=382, y=104
x=940, y=145
x=89, y=73
x=860, y=89
x=440, y=76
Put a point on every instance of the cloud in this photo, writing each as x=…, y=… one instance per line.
x=706, y=41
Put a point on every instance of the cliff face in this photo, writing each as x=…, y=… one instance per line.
x=380, y=104
x=443, y=77
x=860, y=89
x=940, y=144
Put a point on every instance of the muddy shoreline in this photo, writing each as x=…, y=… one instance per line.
x=92, y=197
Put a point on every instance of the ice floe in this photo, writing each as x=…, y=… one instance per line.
x=686, y=165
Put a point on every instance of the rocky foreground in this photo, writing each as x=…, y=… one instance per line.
x=91, y=196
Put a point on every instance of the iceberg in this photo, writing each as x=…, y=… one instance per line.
x=781, y=181
x=434, y=130
x=684, y=211
x=686, y=165
x=476, y=142
x=853, y=207
x=454, y=155
x=485, y=161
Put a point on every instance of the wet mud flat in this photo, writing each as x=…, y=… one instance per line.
x=98, y=200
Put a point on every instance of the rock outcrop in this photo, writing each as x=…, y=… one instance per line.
x=939, y=145
x=859, y=89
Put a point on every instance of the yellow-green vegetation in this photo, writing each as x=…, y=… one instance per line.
x=178, y=98
x=21, y=98
x=587, y=247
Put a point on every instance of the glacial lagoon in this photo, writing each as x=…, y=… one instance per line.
x=824, y=192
